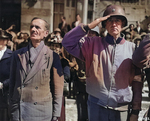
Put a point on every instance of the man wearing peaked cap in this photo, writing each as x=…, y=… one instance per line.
x=111, y=77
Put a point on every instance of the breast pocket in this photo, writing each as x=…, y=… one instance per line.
x=45, y=76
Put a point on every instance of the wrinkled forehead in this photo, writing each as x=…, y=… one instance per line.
x=38, y=22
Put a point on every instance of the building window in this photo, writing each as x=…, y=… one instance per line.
x=142, y=2
x=67, y=3
x=73, y=3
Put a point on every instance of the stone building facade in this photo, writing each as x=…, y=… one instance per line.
x=21, y=12
x=135, y=10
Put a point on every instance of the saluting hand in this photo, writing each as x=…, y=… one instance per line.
x=97, y=21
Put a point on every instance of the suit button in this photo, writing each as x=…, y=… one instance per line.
x=36, y=88
x=35, y=103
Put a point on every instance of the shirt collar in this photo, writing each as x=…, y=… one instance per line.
x=110, y=39
x=2, y=52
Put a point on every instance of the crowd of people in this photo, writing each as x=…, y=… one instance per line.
x=37, y=70
x=135, y=34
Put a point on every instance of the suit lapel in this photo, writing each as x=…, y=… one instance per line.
x=24, y=58
x=41, y=59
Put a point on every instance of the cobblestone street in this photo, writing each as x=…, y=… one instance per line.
x=71, y=109
x=145, y=102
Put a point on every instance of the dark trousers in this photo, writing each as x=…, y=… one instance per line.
x=4, y=115
x=99, y=113
x=147, y=73
x=81, y=100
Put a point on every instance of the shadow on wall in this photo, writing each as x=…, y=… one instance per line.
x=30, y=3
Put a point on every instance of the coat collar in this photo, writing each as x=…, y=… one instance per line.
x=41, y=59
x=24, y=58
x=109, y=39
x=7, y=54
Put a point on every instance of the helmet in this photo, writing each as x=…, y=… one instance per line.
x=114, y=10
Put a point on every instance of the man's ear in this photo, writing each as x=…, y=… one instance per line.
x=46, y=33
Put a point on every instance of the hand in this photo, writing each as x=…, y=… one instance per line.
x=133, y=117
x=97, y=21
x=1, y=85
x=54, y=118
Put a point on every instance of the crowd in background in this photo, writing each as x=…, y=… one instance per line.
x=74, y=69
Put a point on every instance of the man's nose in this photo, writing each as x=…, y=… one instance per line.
x=114, y=23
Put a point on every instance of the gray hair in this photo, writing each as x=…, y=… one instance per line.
x=47, y=26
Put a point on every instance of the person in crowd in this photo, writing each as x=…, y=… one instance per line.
x=64, y=26
x=5, y=60
x=10, y=45
x=57, y=32
x=22, y=40
x=53, y=41
x=81, y=94
x=12, y=30
x=129, y=29
x=73, y=75
x=47, y=40
x=142, y=58
x=138, y=29
x=128, y=36
x=148, y=28
x=71, y=60
x=103, y=32
x=137, y=39
x=77, y=21
x=54, y=37
x=36, y=78
x=56, y=46
x=112, y=81
x=66, y=71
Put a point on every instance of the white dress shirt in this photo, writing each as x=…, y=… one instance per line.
x=2, y=52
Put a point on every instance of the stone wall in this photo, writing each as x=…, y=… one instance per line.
x=35, y=8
